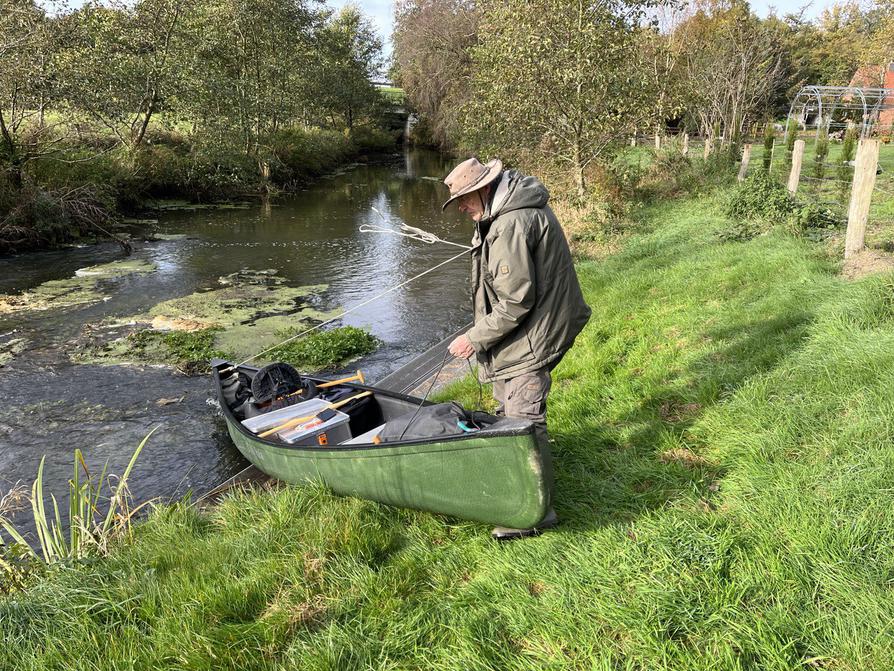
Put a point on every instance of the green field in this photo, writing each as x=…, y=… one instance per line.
x=724, y=460
x=393, y=94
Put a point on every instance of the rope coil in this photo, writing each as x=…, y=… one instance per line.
x=407, y=231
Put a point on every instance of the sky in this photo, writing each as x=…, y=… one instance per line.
x=382, y=12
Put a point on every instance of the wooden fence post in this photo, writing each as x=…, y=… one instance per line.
x=633, y=141
x=685, y=144
x=746, y=157
x=709, y=146
x=861, y=196
x=657, y=141
x=795, y=175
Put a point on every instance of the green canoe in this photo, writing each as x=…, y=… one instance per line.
x=499, y=475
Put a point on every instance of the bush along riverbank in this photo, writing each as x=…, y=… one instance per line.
x=722, y=453
x=83, y=190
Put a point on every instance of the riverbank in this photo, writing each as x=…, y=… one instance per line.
x=87, y=190
x=722, y=460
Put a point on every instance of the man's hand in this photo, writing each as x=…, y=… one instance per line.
x=461, y=347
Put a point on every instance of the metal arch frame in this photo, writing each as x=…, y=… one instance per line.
x=828, y=99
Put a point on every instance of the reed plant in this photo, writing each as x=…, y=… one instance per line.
x=87, y=529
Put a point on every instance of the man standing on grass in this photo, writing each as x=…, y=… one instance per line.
x=527, y=303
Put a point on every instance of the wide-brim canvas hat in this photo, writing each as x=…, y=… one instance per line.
x=471, y=175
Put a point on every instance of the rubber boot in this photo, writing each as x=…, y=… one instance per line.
x=549, y=521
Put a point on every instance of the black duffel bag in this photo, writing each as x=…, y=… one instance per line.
x=430, y=421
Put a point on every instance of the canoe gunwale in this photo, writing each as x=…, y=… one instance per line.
x=525, y=428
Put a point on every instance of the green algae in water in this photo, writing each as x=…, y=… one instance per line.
x=117, y=269
x=82, y=289
x=166, y=237
x=53, y=294
x=188, y=351
x=251, y=311
x=10, y=349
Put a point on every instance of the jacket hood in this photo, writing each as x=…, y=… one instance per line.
x=515, y=191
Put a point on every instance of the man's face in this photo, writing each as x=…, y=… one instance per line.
x=473, y=203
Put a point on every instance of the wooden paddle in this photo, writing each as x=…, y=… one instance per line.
x=358, y=376
x=300, y=420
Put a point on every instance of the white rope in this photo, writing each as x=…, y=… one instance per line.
x=352, y=309
x=407, y=231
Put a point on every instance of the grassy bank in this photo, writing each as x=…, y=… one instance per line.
x=723, y=462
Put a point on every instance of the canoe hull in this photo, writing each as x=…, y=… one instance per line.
x=504, y=479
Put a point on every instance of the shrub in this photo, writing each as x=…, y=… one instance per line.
x=672, y=174
x=814, y=221
x=760, y=203
x=37, y=217
x=296, y=156
x=761, y=197
x=791, y=130
x=848, y=149
x=368, y=139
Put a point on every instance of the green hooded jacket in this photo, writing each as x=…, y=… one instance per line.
x=527, y=302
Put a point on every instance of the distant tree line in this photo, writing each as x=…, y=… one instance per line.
x=561, y=81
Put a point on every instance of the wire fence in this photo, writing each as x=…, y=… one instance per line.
x=826, y=174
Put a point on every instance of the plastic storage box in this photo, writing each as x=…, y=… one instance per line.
x=331, y=432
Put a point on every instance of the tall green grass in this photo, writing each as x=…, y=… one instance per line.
x=724, y=455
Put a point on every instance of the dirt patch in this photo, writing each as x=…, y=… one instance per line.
x=677, y=412
x=867, y=262
x=682, y=456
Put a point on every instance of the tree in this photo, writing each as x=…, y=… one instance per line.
x=26, y=85
x=879, y=46
x=249, y=68
x=663, y=53
x=432, y=59
x=734, y=68
x=562, y=79
x=123, y=62
x=350, y=57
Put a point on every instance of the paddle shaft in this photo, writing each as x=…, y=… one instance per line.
x=299, y=420
x=358, y=377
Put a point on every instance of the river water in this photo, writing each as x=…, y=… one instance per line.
x=50, y=406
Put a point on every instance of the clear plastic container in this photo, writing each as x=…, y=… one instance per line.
x=269, y=420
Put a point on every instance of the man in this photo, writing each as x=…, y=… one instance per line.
x=527, y=303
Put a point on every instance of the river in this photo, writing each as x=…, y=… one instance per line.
x=51, y=406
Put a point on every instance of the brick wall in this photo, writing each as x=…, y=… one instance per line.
x=886, y=118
